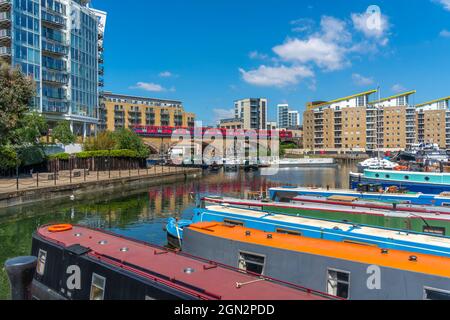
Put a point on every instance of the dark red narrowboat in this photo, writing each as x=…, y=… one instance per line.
x=79, y=263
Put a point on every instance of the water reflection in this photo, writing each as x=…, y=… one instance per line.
x=143, y=214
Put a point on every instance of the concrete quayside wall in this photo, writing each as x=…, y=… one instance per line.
x=91, y=189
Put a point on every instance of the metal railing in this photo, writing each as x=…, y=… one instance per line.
x=80, y=176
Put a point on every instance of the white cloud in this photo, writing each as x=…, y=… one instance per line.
x=372, y=27
x=326, y=48
x=444, y=3
x=276, y=76
x=220, y=114
x=151, y=87
x=329, y=48
x=361, y=80
x=257, y=55
x=325, y=54
x=397, y=88
x=445, y=33
x=302, y=25
x=166, y=74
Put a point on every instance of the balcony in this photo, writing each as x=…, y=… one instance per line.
x=5, y=5
x=55, y=77
x=5, y=36
x=54, y=48
x=55, y=106
x=5, y=18
x=5, y=52
x=53, y=20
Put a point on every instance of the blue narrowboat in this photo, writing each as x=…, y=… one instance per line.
x=315, y=228
x=424, y=182
x=289, y=193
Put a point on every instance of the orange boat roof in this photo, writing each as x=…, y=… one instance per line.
x=362, y=253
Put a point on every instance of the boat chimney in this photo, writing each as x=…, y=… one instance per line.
x=20, y=273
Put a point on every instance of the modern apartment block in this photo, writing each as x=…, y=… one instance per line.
x=59, y=43
x=433, y=122
x=390, y=124
x=287, y=118
x=337, y=125
x=123, y=111
x=253, y=113
x=395, y=127
x=231, y=124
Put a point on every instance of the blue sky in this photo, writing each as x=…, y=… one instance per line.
x=210, y=53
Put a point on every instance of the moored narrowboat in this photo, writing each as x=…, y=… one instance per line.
x=346, y=270
x=426, y=219
x=284, y=194
x=79, y=263
x=425, y=182
x=320, y=229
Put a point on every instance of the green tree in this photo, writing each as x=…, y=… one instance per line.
x=103, y=141
x=16, y=94
x=30, y=129
x=63, y=134
x=127, y=139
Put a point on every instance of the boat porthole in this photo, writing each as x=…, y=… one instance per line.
x=377, y=175
x=427, y=178
x=388, y=176
x=406, y=177
x=77, y=235
x=103, y=242
x=125, y=249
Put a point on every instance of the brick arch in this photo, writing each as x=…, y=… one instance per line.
x=154, y=149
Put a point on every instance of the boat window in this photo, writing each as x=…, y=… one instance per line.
x=434, y=230
x=42, y=258
x=445, y=204
x=251, y=262
x=233, y=223
x=427, y=178
x=388, y=176
x=97, y=287
x=406, y=177
x=436, y=294
x=338, y=283
x=377, y=175
x=290, y=232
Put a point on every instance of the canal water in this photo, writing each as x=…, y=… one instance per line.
x=142, y=214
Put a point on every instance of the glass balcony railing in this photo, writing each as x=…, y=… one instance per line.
x=5, y=3
x=5, y=17
x=55, y=77
x=55, y=106
x=5, y=51
x=54, y=48
x=5, y=34
x=55, y=20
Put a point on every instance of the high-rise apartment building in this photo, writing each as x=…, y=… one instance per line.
x=283, y=115
x=336, y=125
x=253, y=113
x=287, y=118
x=388, y=124
x=59, y=43
x=123, y=111
x=294, y=119
x=395, y=125
x=433, y=122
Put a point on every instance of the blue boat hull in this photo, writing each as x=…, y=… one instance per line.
x=427, y=188
x=339, y=235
